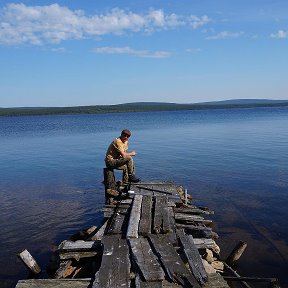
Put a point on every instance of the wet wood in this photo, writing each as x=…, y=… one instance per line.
x=236, y=253
x=192, y=210
x=146, y=215
x=145, y=260
x=115, y=267
x=29, y=261
x=62, y=271
x=193, y=257
x=132, y=231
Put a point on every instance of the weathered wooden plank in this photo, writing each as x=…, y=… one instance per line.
x=171, y=261
x=193, y=257
x=192, y=210
x=53, y=283
x=161, y=223
x=142, y=284
x=146, y=218
x=172, y=233
x=77, y=255
x=80, y=245
x=99, y=234
x=117, y=224
x=132, y=231
x=193, y=227
x=115, y=267
x=187, y=217
x=146, y=261
x=203, y=243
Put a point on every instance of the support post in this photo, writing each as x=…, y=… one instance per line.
x=29, y=261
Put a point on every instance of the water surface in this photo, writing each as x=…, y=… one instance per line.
x=233, y=161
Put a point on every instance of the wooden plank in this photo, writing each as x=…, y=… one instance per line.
x=161, y=223
x=79, y=246
x=172, y=234
x=116, y=225
x=174, y=266
x=187, y=217
x=215, y=280
x=53, y=283
x=203, y=243
x=142, y=284
x=29, y=261
x=145, y=260
x=99, y=234
x=192, y=210
x=115, y=267
x=132, y=231
x=146, y=215
x=193, y=257
x=77, y=255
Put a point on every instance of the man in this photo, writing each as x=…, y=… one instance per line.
x=118, y=157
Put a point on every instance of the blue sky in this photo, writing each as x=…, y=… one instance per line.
x=68, y=53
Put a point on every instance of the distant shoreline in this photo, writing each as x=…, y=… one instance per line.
x=129, y=107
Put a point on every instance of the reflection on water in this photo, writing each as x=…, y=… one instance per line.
x=233, y=161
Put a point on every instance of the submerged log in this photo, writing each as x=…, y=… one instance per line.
x=29, y=261
x=236, y=253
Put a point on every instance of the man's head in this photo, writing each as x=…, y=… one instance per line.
x=125, y=134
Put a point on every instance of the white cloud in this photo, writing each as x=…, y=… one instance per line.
x=54, y=23
x=281, y=34
x=130, y=51
x=225, y=35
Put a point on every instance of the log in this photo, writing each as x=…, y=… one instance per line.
x=236, y=253
x=29, y=261
x=132, y=231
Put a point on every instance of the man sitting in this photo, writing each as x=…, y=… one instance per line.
x=118, y=157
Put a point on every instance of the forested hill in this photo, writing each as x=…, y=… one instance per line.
x=141, y=107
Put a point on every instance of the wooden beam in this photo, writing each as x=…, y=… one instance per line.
x=53, y=283
x=145, y=260
x=132, y=231
x=29, y=261
x=193, y=257
x=115, y=267
x=146, y=215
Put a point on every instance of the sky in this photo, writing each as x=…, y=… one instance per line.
x=71, y=53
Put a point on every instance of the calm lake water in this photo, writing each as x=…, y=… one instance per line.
x=233, y=161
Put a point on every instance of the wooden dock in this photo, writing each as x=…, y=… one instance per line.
x=150, y=239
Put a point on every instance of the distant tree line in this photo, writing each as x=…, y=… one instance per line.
x=122, y=108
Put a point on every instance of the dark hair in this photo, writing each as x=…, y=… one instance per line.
x=126, y=132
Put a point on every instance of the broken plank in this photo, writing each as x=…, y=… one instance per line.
x=142, y=284
x=132, y=231
x=53, y=283
x=171, y=261
x=117, y=224
x=115, y=267
x=145, y=260
x=203, y=243
x=99, y=234
x=192, y=210
x=77, y=255
x=161, y=223
x=80, y=246
x=61, y=272
x=193, y=257
x=146, y=218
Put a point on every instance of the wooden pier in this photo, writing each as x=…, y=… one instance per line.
x=153, y=238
